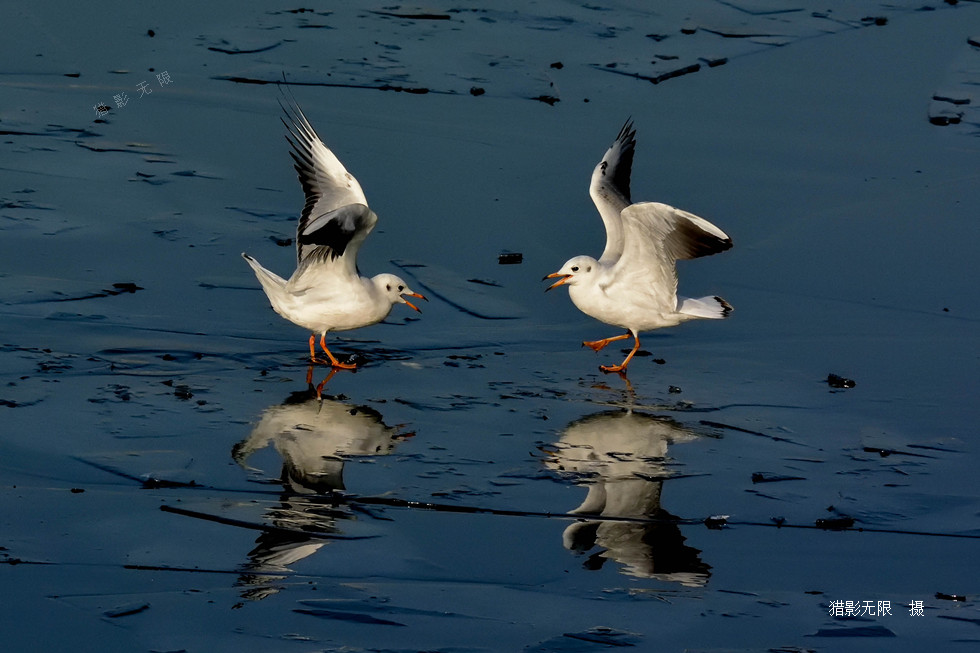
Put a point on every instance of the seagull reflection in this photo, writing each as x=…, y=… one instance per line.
x=620, y=456
x=314, y=435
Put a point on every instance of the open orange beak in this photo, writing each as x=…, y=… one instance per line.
x=562, y=278
x=414, y=294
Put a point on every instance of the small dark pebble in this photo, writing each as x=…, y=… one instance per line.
x=150, y=33
x=558, y=65
x=659, y=361
x=77, y=490
x=674, y=390
x=950, y=597
x=689, y=30
x=484, y=282
x=168, y=357
x=875, y=20
x=550, y=100
x=716, y=523
x=835, y=381
x=183, y=392
x=421, y=90
x=510, y=258
x=282, y=242
x=476, y=91
x=126, y=610
x=159, y=483
x=73, y=74
x=762, y=477
x=946, y=118
x=124, y=287
x=835, y=524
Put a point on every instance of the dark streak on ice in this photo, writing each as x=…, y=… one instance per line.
x=422, y=16
x=378, y=87
x=253, y=51
x=655, y=79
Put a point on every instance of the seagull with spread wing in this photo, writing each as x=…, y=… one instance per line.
x=633, y=285
x=326, y=292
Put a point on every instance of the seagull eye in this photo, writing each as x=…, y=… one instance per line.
x=401, y=288
x=575, y=269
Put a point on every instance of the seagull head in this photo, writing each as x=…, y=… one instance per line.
x=394, y=288
x=574, y=270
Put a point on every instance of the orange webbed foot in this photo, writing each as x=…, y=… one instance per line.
x=621, y=369
x=598, y=345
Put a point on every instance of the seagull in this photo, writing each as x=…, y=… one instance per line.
x=326, y=292
x=633, y=285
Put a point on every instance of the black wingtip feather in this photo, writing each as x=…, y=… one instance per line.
x=623, y=164
x=726, y=308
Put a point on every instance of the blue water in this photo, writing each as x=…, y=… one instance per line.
x=169, y=482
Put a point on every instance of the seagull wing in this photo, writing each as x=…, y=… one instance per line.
x=657, y=235
x=610, y=189
x=335, y=219
x=336, y=234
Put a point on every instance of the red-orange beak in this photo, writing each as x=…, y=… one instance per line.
x=562, y=278
x=414, y=294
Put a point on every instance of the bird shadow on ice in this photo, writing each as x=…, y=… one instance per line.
x=620, y=457
x=314, y=436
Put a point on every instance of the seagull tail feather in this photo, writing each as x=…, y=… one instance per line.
x=272, y=283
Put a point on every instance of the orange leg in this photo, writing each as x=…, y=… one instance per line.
x=596, y=345
x=332, y=359
x=319, y=387
x=622, y=366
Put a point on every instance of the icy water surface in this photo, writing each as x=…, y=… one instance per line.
x=170, y=481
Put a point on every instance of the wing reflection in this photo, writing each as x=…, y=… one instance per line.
x=314, y=436
x=620, y=456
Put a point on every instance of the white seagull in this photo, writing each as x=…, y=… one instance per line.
x=633, y=285
x=326, y=292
